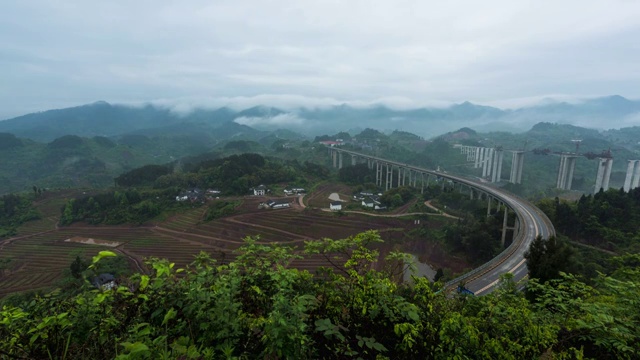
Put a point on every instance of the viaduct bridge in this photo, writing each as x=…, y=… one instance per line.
x=529, y=220
x=490, y=161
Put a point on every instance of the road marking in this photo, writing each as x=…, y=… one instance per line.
x=487, y=287
x=517, y=266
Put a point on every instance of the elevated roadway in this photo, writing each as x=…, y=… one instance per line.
x=532, y=222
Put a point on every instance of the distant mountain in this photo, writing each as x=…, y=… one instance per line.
x=103, y=119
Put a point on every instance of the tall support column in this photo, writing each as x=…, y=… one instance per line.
x=389, y=177
x=636, y=176
x=561, y=172
x=633, y=172
x=604, y=173
x=334, y=155
x=378, y=180
x=629, y=176
x=422, y=183
x=607, y=174
x=504, y=225
x=521, y=163
x=470, y=193
x=516, y=167
x=571, y=166
x=488, y=205
x=599, y=175
x=399, y=172
x=353, y=160
x=496, y=173
x=339, y=160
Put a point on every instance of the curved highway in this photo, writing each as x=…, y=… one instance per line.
x=533, y=222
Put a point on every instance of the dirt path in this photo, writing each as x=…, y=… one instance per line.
x=298, y=236
x=133, y=258
x=440, y=212
x=593, y=247
x=301, y=201
x=196, y=235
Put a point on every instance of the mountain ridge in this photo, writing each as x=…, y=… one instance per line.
x=104, y=119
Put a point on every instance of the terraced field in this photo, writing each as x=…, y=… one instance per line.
x=39, y=254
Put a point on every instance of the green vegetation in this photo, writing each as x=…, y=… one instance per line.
x=143, y=176
x=259, y=307
x=151, y=190
x=15, y=210
x=120, y=207
x=219, y=209
x=599, y=226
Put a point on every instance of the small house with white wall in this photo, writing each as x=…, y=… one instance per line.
x=278, y=203
x=260, y=190
x=335, y=206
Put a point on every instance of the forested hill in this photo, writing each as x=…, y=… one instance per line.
x=73, y=161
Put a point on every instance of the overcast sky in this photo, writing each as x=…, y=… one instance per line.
x=406, y=53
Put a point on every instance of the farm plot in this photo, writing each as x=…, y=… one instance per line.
x=39, y=261
x=316, y=224
x=41, y=255
x=320, y=196
x=185, y=220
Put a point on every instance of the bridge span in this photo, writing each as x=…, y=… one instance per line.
x=530, y=221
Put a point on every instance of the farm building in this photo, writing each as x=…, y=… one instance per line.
x=335, y=206
x=260, y=190
x=278, y=203
x=296, y=191
x=368, y=203
x=104, y=281
x=192, y=195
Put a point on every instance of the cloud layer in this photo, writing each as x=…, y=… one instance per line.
x=409, y=52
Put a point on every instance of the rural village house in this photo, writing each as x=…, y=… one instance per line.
x=277, y=203
x=260, y=190
x=335, y=206
x=296, y=191
x=193, y=195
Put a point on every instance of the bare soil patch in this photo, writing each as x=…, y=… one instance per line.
x=92, y=241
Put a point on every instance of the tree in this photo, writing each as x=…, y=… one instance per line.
x=77, y=267
x=547, y=258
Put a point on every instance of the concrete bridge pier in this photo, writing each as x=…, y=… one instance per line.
x=636, y=176
x=334, y=156
x=565, y=171
x=604, y=174
x=354, y=159
x=633, y=175
x=505, y=226
x=476, y=164
x=496, y=172
x=339, y=160
x=488, y=162
x=516, y=167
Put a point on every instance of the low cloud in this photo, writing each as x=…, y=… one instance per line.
x=278, y=120
x=185, y=105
